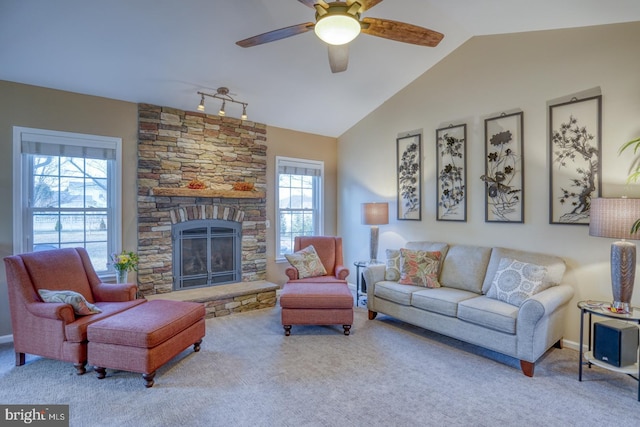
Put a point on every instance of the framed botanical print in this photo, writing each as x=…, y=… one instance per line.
x=451, y=169
x=504, y=168
x=409, y=168
x=574, y=163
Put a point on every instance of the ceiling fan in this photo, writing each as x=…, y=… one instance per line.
x=337, y=23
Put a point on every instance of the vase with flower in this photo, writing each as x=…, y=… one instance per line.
x=123, y=263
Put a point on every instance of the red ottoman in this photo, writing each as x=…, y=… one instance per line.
x=145, y=337
x=308, y=303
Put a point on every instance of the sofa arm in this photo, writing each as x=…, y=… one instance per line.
x=292, y=273
x=115, y=292
x=342, y=272
x=540, y=322
x=52, y=310
x=372, y=275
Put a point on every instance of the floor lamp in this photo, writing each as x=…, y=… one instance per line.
x=374, y=214
x=613, y=218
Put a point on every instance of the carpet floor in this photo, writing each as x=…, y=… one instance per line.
x=386, y=373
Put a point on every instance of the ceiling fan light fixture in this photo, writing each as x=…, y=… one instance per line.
x=337, y=28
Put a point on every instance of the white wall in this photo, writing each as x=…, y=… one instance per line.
x=484, y=77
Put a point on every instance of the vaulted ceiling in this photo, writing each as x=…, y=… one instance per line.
x=164, y=51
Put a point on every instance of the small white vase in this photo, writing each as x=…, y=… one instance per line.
x=121, y=276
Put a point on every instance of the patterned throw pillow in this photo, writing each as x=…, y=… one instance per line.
x=420, y=268
x=307, y=262
x=392, y=271
x=80, y=305
x=515, y=281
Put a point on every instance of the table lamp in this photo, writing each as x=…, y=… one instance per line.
x=613, y=218
x=374, y=214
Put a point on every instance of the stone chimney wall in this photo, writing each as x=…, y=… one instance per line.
x=175, y=147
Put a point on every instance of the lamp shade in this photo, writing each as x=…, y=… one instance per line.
x=337, y=28
x=375, y=213
x=613, y=217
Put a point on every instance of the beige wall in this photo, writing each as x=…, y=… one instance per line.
x=288, y=143
x=484, y=77
x=30, y=106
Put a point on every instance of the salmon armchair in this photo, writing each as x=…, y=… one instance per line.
x=329, y=250
x=53, y=330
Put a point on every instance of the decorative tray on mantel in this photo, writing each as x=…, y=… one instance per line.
x=207, y=192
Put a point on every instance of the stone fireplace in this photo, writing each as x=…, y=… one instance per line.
x=174, y=148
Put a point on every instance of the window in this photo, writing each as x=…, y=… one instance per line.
x=299, y=196
x=66, y=190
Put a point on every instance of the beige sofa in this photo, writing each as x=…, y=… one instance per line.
x=461, y=309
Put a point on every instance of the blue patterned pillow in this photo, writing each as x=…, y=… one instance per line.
x=515, y=281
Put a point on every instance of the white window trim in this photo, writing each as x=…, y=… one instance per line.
x=20, y=187
x=316, y=164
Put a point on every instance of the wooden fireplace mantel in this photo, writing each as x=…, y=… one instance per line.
x=207, y=192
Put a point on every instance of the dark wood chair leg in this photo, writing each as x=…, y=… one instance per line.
x=20, y=359
x=196, y=346
x=347, y=329
x=149, y=379
x=527, y=368
x=558, y=344
x=102, y=372
x=80, y=368
x=287, y=330
x=372, y=314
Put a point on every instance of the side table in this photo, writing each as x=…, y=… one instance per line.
x=601, y=308
x=361, y=285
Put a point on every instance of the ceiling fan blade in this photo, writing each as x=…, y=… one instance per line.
x=274, y=35
x=310, y=3
x=366, y=4
x=401, y=31
x=338, y=57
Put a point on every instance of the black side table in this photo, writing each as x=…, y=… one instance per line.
x=601, y=308
x=361, y=285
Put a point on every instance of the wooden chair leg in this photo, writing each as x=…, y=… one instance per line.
x=196, y=346
x=149, y=379
x=346, y=329
x=102, y=372
x=20, y=359
x=372, y=314
x=527, y=367
x=80, y=368
x=287, y=330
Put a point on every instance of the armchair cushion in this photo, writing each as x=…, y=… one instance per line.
x=76, y=300
x=307, y=262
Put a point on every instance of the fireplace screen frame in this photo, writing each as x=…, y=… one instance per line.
x=179, y=234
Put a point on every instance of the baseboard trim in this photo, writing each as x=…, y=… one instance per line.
x=571, y=344
x=6, y=339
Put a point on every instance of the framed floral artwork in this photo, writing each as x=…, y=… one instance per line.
x=504, y=168
x=409, y=152
x=574, y=163
x=451, y=167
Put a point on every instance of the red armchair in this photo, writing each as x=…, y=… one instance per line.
x=53, y=330
x=329, y=250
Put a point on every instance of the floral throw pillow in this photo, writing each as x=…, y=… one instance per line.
x=392, y=272
x=420, y=268
x=80, y=305
x=515, y=281
x=307, y=262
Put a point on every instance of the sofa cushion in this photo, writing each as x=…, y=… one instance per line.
x=555, y=265
x=420, y=268
x=440, y=300
x=392, y=272
x=395, y=292
x=515, y=281
x=490, y=313
x=307, y=262
x=464, y=267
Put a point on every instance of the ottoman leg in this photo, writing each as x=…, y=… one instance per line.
x=196, y=346
x=149, y=379
x=102, y=372
x=80, y=369
x=287, y=330
x=346, y=329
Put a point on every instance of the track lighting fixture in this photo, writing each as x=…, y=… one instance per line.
x=223, y=94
